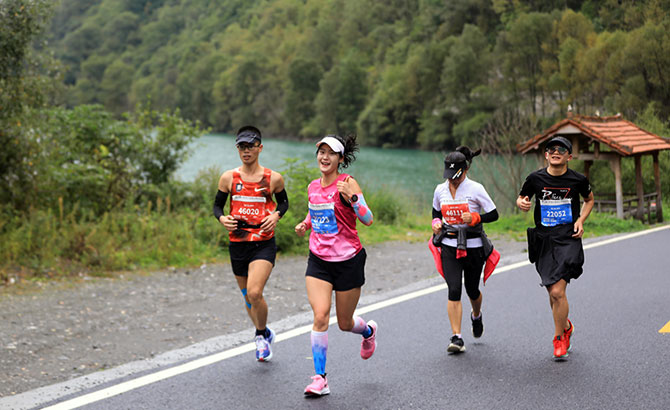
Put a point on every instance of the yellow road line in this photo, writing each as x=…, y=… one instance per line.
x=665, y=329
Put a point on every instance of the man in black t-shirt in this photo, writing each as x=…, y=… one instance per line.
x=555, y=243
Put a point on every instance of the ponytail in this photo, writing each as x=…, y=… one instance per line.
x=350, y=149
x=469, y=155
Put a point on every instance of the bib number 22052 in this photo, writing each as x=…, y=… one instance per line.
x=555, y=212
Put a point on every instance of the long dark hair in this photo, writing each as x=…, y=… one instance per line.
x=469, y=154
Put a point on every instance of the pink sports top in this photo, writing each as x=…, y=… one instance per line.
x=334, y=237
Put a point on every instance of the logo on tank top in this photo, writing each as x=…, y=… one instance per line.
x=549, y=193
x=239, y=187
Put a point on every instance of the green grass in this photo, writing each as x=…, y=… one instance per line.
x=46, y=246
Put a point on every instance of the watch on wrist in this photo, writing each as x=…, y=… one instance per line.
x=353, y=198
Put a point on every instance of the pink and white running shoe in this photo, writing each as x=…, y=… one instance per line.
x=369, y=345
x=318, y=387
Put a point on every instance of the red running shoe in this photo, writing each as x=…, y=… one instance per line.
x=560, y=348
x=567, y=335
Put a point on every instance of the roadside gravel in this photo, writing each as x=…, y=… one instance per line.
x=59, y=333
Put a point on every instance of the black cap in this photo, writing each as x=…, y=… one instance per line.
x=560, y=141
x=249, y=134
x=455, y=164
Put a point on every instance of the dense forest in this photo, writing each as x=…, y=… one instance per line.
x=100, y=100
x=400, y=73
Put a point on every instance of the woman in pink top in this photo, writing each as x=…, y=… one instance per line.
x=336, y=257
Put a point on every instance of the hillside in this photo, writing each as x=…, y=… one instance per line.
x=407, y=73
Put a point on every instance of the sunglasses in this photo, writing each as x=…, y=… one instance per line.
x=244, y=147
x=556, y=148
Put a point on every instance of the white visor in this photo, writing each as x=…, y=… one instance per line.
x=333, y=143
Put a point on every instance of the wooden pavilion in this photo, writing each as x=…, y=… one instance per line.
x=610, y=138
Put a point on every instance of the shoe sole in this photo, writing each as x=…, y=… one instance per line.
x=265, y=359
x=455, y=349
x=560, y=358
x=311, y=393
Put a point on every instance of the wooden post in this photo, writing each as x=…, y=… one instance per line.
x=615, y=163
x=587, y=168
x=659, y=195
x=639, y=188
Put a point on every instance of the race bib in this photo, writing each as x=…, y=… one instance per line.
x=555, y=212
x=249, y=208
x=452, y=210
x=323, y=217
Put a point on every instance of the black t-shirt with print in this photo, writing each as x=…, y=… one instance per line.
x=556, y=197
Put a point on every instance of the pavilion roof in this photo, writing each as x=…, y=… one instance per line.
x=620, y=135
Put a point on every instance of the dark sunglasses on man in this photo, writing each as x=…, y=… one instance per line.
x=244, y=146
x=561, y=149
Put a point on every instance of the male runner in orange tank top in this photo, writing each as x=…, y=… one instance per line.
x=251, y=223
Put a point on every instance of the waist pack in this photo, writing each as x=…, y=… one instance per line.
x=531, y=236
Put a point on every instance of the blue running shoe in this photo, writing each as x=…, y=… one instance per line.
x=271, y=339
x=263, y=349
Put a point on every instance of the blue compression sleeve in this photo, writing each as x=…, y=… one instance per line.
x=319, y=351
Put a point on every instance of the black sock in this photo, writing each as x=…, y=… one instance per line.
x=262, y=332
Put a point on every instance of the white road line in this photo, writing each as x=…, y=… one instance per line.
x=208, y=360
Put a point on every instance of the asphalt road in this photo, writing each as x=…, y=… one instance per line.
x=619, y=359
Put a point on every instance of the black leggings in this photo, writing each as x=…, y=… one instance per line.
x=469, y=267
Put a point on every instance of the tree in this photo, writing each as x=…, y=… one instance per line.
x=115, y=85
x=24, y=84
x=465, y=83
x=570, y=36
x=647, y=56
x=238, y=90
x=391, y=119
x=504, y=168
x=520, y=50
x=600, y=79
x=302, y=89
x=342, y=95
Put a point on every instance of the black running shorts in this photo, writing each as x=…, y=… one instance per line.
x=243, y=253
x=344, y=275
x=560, y=256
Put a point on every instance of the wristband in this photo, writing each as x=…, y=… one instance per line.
x=307, y=221
x=436, y=221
